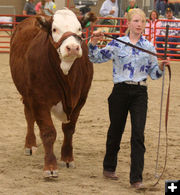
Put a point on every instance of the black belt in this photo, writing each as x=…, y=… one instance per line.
x=140, y=83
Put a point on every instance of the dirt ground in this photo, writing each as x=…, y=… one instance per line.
x=23, y=175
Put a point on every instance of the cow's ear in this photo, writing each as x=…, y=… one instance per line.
x=87, y=19
x=45, y=22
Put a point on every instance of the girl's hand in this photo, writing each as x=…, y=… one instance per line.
x=97, y=36
x=164, y=62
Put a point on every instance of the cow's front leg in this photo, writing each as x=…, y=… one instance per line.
x=67, y=148
x=48, y=136
x=30, y=144
x=68, y=129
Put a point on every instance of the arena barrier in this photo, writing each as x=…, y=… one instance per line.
x=111, y=26
x=7, y=26
x=175, y=45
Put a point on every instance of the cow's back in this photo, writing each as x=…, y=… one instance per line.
x=23, y=35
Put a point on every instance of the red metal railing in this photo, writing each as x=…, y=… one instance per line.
x=6, y=30
x=175, y=44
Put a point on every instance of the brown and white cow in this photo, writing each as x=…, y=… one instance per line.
x=51, y=70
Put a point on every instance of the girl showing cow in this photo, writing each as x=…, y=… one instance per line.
x=131, y=68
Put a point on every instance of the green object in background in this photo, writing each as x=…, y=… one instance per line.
x=88, y=24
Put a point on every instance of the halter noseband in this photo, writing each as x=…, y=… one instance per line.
x=64, y=37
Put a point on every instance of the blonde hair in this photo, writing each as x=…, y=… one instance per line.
x=135, y=11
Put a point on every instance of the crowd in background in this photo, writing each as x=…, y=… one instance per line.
x=108, y=7
x=162, y=5
x=46, y=7
x=159, y=5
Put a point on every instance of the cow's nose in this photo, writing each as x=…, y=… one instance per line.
x=72, y=49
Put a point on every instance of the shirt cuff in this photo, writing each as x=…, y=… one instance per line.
x=159, y=73
x=93, y=47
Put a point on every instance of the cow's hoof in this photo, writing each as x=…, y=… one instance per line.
x=30, y=151
x=67, y=164
x=50, y=174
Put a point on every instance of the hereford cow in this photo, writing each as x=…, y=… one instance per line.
x=51, y=70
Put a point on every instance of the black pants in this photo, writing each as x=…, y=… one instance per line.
x=124, y=98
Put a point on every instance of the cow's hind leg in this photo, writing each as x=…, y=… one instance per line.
x=48, y=136
x=30, y=143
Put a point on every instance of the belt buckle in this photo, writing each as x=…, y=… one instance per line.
x=143, y=83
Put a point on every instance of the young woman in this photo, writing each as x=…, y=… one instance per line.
x=131, y=68
x=152, y=26
x=40, y=7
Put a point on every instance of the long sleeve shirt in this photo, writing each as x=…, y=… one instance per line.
x=107, y=6
x=129, y=64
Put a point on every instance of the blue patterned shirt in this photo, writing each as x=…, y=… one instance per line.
x=129, y=64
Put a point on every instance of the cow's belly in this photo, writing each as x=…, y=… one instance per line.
x=58, y=111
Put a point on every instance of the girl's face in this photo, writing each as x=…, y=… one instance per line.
x=153, y=16
x=137, y=24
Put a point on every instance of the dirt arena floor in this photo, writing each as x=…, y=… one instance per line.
x=23, y=175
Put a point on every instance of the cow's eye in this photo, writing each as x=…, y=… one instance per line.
x=54, y=30
x=80, y=29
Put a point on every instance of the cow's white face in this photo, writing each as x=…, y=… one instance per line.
x=63, y=21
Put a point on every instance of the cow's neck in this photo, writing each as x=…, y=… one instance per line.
x=66, y=66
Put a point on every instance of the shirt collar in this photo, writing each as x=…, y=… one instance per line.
x=140, y=41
